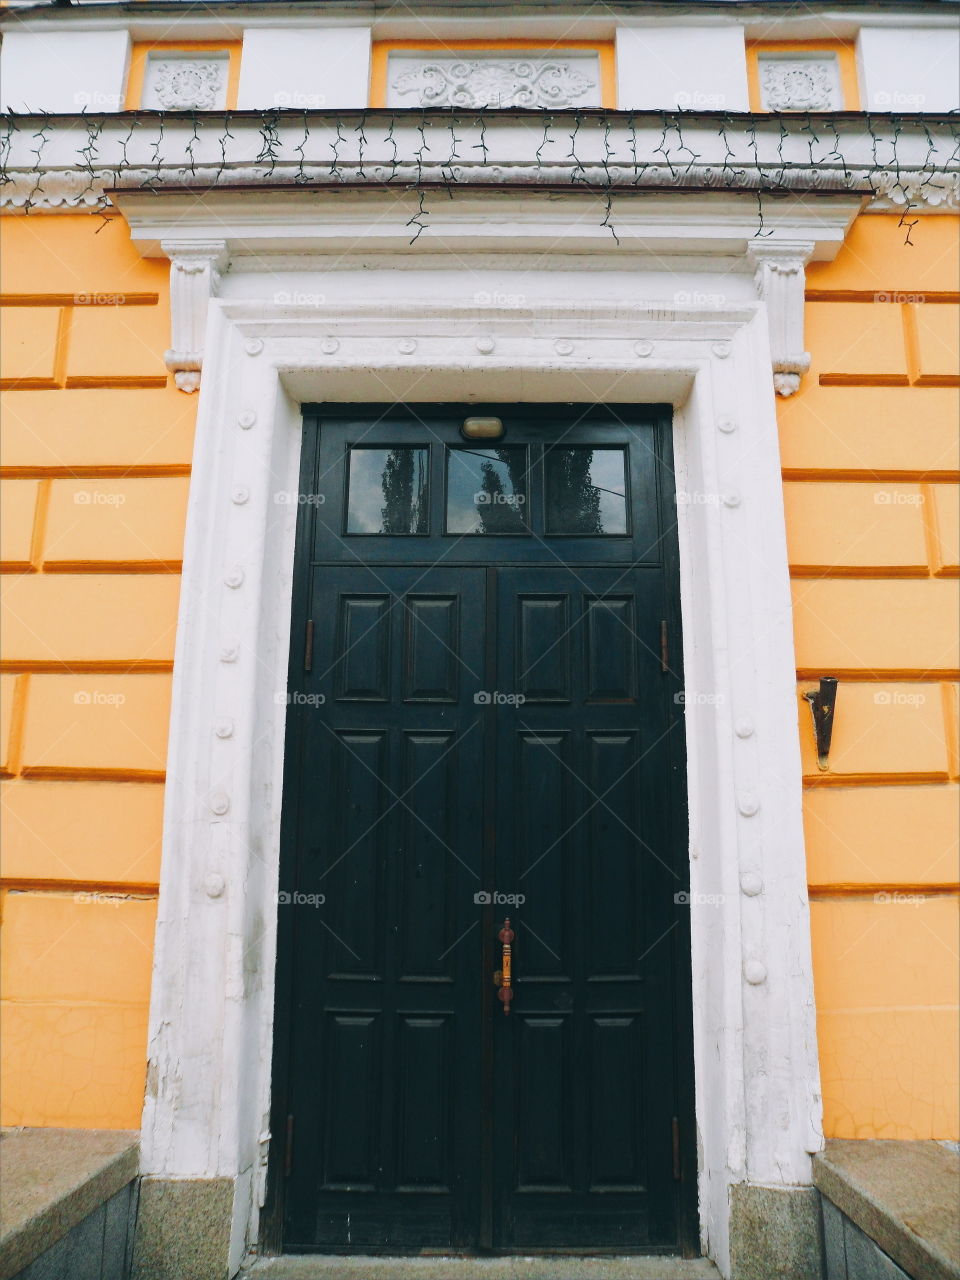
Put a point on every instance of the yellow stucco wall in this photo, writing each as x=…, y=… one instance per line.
x=870, y=460
x=96, y=454
x=96, y=451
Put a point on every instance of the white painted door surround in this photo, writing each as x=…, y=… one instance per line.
x=487, y=307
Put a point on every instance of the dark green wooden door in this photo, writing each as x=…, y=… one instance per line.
x=482, y=724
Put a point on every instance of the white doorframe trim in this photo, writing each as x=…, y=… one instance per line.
x=757, y=1080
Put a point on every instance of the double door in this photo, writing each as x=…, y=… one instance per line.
x=483, y=748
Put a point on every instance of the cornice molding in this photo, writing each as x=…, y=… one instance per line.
x=70, y=162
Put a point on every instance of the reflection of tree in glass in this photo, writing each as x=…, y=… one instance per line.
x=404, y=492
x=495, y=515
x=574, y=500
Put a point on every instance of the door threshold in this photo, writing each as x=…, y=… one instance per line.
x=516, y=1267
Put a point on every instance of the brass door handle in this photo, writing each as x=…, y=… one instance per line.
x=503, y=976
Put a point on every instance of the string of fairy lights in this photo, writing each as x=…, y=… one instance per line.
x=363, y=149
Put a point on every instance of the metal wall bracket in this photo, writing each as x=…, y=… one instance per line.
x=822, y=706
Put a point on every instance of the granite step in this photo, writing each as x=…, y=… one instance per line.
x=453, y=1268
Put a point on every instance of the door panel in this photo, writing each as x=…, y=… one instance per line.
x=385, y=1027
x=481, y=725
x=578, y=836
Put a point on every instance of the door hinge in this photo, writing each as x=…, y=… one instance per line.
x=288, y=1150
x=664, y=648
x=308, y=647
x=675, y=1126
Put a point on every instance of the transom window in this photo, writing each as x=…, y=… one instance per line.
x=488, y=490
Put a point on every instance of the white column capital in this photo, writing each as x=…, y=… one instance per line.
x=195, y=267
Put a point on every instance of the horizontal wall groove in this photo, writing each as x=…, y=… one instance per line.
x=155, y=471
x=40, y=1002
x=882, y=297
x=112, y=566
x=815, y=781
x=859, y=380
x=64, y=666
x=91, y=383
x=947, y=889
x=67, y=773
x=860, y=571
x=905, y=674
x=825, y=475
x=25, y=884
x=82, y=298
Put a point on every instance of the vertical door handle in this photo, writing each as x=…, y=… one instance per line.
x=503, y=976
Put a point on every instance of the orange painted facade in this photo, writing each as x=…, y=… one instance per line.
x=96, y=458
